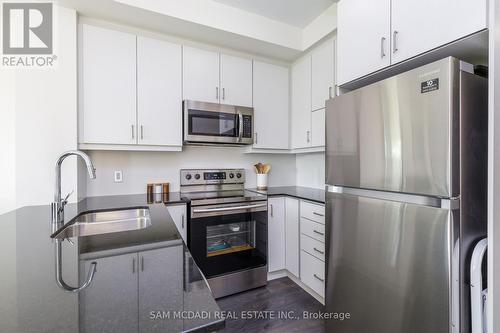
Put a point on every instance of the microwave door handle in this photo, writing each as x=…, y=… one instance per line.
x=240, y=126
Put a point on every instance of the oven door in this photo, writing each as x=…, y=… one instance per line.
x=229, y=238
x=217, y=123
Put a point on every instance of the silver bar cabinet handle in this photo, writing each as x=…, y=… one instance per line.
x=256, y=138
x=216, y=92
x=318, y=214
x=182, y=223
x=317, y=232
x=142, y=132
x=142, y=264
x=317, y=277
x=308, y=136
x=133, y=265
x=382, y=47
x=329, y=92
x=315, y=249
x=223, y=93
x=394, y=41
x=133, y=134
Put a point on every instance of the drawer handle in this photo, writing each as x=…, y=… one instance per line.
x=315, y=249
x=317, y=277
x=318, y=214
x=319, y=233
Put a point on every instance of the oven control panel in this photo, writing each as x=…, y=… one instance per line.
x=212, y=176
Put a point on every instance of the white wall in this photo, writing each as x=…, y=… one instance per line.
x=311, y=170
x=7, y=142
x=39, y=122
x=140, y=168
x=46, y=118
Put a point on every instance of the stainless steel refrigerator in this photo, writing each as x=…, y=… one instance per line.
x=406, y=168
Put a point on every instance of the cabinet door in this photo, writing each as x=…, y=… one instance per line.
x=323, y=73
x=271, y=105
x=108, y=86
x=114, y=287
x=318, y=128
x=161, y=288
x=200, y=75
x=292, y=236
x=301, y=103
x=444, y=21
x=179, y=215
x=276, y=234
x=159, y=95
x=363, y=38
x=235, y=80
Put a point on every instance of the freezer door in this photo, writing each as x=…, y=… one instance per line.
x=399, y=134
x=389, y=266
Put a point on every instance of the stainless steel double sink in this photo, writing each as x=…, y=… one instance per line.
x=104, y=222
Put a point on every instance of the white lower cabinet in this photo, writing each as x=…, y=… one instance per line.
x=292, y=232
x=296, y=240
x=114, y=287
x=179, y=215
x=136, y=283
x=312, y=272
x=276, y=234
x=312, y=246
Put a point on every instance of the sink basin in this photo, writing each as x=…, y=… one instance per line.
x=105, y=222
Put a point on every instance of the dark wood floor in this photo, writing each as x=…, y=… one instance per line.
x=278, y=296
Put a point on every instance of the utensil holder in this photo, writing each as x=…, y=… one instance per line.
x=262, y=181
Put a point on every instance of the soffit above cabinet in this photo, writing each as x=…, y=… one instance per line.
x=218, y=24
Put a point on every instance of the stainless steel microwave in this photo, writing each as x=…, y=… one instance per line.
x=212, y=123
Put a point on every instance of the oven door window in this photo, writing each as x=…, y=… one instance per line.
x=209, y=123
x=230, y=238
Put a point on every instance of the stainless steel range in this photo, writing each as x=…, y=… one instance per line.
x=227, y=233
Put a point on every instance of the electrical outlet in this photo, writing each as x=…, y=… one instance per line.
x=118, y=176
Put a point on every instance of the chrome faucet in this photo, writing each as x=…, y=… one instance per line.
x=58, y=204
x=58, y=218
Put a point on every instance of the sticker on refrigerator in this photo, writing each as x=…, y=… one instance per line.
x=429, y=85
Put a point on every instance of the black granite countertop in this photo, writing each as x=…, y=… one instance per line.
x=306, y=193
x=172, y=296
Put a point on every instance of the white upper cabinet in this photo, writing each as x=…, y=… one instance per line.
x=318, y=128
x=159, y=95
x=271, y=106
x=420, y=26
x=235, y=80
x=200, y=75
x=323, y=73
x=363, y=35
x=108, y=86
x=301, y=103
x=384, y=32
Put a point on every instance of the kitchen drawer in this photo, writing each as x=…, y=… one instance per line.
x=312, y=246
x=312, y=212
x=312, y=229
x=312, y=272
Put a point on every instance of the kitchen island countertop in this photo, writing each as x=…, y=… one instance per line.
x=32, y=301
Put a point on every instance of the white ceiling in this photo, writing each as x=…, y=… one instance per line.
x=298, y=13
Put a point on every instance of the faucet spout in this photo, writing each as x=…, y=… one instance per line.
x=59, y=203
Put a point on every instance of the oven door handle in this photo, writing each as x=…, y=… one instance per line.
x=225, y=209
x=240, y=126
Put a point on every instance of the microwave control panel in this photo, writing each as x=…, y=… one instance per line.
x=247, y=126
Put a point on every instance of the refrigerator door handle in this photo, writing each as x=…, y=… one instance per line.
x=417, y=199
